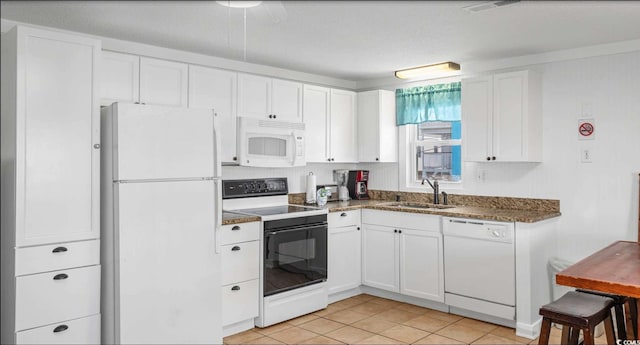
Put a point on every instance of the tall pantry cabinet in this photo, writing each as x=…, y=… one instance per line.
x=50, y=188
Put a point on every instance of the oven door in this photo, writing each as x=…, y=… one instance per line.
x=294, y=256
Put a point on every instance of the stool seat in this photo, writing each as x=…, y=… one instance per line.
x=579, y=309
x=617, y=299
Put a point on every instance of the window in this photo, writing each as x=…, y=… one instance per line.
x=430, y=135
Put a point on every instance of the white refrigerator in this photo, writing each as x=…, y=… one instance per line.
x=161, y=215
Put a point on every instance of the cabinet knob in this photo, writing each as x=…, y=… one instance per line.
x=328, y=159
x=343, y=214
x=60, y=276
x=235, y=228
x=358, y=228
x=59, y=250
x=377, y=159
x=96, y=146
x=399, y=231
x=60, y=328
x=395, y=230
x=235, y=288
x=488, y=158
x=493, y=158
x=235, y=248
x=333, y=159
x=274, y=116
x=270, y=116
x=235, y=158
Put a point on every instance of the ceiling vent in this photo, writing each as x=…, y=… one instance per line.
x=487, y=5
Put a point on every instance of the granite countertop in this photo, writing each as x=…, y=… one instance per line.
x=237, y=218
x=484, y=213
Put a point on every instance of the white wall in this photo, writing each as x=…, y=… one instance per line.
x=599, y=200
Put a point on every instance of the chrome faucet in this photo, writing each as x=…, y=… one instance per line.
x=436, y=190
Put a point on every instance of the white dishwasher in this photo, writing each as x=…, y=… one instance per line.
x=479, y=266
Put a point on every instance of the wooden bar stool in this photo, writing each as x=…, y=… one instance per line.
x=577, y=311
x=623, y=306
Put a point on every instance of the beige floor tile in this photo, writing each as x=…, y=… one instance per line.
x=374, y=324
x=404, y=334
x=321, y=340
x=427, y=323
x=348, y=303
x=273, y=329
x=476, y=324
x=346, y=316
x=349, y=335
x=385, y=302
x=412, y=308
x=397, y=315
x=369, y=308
x=510, y=333
x=435, y=339
x=302, y=319
x=363, y=297
x=293, y=335
x=242, y=337
x=493, y=339
x=435, y=314
x=326, y=311
x=461, y=333
x=378, y=339
x=264, y=340
x=321, y=326
x=555, y=337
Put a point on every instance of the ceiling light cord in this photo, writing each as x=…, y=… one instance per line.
x=244, y=31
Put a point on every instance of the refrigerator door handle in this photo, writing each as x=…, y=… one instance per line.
x=218, y=212
x=217, y=168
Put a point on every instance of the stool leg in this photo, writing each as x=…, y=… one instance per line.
x=608, y=330
x=545, y=330
x=631, y=315
x=588, y=336
x=575, y=335
x=566, y=332
x=620, y=322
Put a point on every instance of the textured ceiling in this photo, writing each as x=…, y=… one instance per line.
x=354, y=40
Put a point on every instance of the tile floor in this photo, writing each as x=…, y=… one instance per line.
x=366, y=319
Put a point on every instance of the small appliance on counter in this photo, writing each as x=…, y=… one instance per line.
x=357, y=184
x=332, y=189
x=341, y=176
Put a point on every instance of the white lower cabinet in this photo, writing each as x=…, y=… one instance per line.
x=344, y=269
x=85, y=330
x=402, y=252
x=240, y=250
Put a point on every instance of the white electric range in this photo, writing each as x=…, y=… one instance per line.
x=293, y=254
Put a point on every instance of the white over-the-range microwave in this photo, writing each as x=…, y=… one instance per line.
x=268, y=143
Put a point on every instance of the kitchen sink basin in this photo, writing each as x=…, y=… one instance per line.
x=416, y=205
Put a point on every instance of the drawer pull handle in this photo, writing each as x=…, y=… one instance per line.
x=343, y=214
x=60, y=276
x=235, y=228
x=235, y=248
x=235, y=288
x=60, y=328
x=59, y=250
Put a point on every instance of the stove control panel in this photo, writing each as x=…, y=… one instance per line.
x=245, y=188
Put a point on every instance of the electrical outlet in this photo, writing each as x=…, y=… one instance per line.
x=481, y=176
x=585, y=156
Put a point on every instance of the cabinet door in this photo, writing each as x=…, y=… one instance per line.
x=316, y=119
x=163, y=82
x=421, y=264
x=380, y=257
x=344, y=138
x=57, y=126
x=368, y=126
x=286, y=100
x=211, y=88
x=119, y=78
x=477, y=109
x=344, y=270
x=254, y=96
x=509, y=127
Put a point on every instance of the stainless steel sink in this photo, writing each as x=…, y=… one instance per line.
x=416, y=205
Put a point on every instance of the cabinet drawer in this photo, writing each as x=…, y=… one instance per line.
x=234, y=233
x=57, y=256
x=344, y=218
x=240, y=262
x=47, y=298
x=403, y=220
x=80, y=331
x=239, y=302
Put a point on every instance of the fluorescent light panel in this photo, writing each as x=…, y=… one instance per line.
x=427, y=70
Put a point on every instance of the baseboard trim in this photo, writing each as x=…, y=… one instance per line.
x=530, y=331
x=238, y=327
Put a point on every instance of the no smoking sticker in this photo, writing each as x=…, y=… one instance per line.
x=586, y=129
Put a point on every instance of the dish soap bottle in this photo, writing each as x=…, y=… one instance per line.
x=321, y=196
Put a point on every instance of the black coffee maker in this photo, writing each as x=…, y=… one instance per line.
x=357, y=184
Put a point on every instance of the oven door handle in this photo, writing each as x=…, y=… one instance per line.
x=296, y=229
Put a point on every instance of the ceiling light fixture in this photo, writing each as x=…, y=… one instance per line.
x=427, y=70
x=240, y=4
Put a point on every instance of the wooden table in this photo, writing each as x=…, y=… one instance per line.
x=614, y=269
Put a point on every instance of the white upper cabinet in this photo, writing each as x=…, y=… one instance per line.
x=215, y=89
x=316, y=118
x=119, y=78
x=377, y=130
x=262, y=97
x=50, y=136
x=163, y=82
x=343, y=130
x=502, y=117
